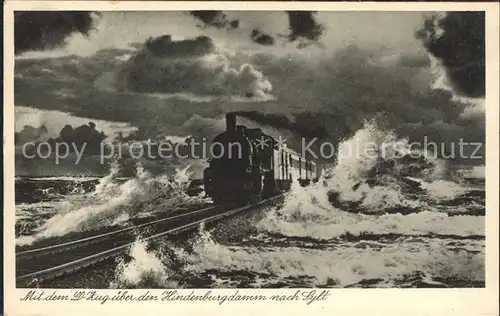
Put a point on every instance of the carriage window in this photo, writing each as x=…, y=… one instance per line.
x=282, y=169
x=300, y=167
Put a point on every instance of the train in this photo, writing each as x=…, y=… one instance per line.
x=248, y=165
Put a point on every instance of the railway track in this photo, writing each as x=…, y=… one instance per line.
x=44, y=251
x=34, y=266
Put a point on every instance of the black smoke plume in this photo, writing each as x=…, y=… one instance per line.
x=303, y=25
x=261, y=38
x=283, y=122
x=215, y=19
x=44, y=30
x=457, y=40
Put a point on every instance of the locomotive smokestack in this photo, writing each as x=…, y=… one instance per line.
x=230, y=122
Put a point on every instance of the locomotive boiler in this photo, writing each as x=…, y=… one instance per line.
x=248, y=165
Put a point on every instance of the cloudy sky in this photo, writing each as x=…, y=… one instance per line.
x=330, y=69
x=118, y=29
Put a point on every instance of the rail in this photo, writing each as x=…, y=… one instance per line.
x=73, y=266
x=33, y=253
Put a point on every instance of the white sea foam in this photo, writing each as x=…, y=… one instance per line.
x=113, y=203
x=345, y=265
x=145, y=268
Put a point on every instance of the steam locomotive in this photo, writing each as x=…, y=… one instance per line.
x=248, y=165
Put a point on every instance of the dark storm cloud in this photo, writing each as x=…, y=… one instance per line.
x=458, y=41
x=46, y=30
x=445, y=138
x=335, y=94
x=190, y=66
x=342, y=91
x=84, y=135
x=261, y=38
x=215, y=19
x=163, y=46
x=30, y=133
x=303, y=25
